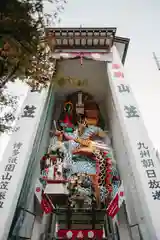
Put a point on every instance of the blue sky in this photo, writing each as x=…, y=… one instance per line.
x=139, y=21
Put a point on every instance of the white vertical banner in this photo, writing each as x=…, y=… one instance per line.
x=145, y=165
x=16, y=157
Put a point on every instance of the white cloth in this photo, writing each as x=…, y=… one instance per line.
x=50, y=174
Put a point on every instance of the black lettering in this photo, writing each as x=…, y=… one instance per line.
x=154, y=184
x=151, y=173
x=36, y=88
x=141, y=145
x=17, y=145
x=13, y=159
x=156, y=195
x=10, y=167
x=147, y=163
x=16, y=129
x=15, y=152
x=144, y=154
x=29, y=111
x=131, y=111
x=1, y=204
x=123, y=88
x=6, y=176
x=4, y=185
x=2, y=196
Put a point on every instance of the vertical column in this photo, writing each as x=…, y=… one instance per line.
x=17, y=155
x=145, y=165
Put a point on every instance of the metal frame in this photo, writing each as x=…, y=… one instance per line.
x=82, y=211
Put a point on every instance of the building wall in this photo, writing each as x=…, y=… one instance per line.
x=121, y=155
x=132, y=202
x=40, y=147
x=26, y=199
x=17, y=155
x=128, y=132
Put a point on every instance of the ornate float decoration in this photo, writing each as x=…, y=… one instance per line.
x=80, y=104
x=78, y=171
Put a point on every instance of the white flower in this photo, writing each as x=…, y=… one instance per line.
x=69, y=234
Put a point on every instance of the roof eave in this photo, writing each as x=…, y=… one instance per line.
x=117, y=39
x=123, y=41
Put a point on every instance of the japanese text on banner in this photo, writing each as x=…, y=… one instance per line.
x=148, y=165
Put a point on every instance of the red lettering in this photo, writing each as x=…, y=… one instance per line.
x=118, y=75
x=116, y=66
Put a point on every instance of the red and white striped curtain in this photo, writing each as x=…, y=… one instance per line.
x=97, y=56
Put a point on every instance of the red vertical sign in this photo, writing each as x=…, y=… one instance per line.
x=46, y=206
x=116, y=203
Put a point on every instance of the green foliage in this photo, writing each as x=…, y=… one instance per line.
x=24, y=51
x=7, y=117
x=21, y=55
x=21, y=31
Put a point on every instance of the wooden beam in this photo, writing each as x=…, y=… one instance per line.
x=102, y=47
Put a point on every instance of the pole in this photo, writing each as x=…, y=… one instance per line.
x=156, y=60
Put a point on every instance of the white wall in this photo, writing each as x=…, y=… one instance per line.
x=23, y=139
x=19, y=89
x=120, y=151
x=146, y=202
x=133, y=205
x=39, y=148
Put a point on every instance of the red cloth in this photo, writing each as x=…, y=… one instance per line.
x=44, y=158
x=113, y=207
x=68, y=120
x=80, y=234
x=46, y=206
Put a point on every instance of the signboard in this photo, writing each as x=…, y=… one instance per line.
x=145, y=165
x=80, y=234
x=16, y=157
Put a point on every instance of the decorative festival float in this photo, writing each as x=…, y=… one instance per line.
x=78, y=173
x=79, y=177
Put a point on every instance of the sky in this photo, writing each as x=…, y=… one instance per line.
x=137, y=20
